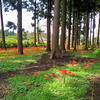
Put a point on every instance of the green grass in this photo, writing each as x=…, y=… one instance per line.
x=52, y=88
x=17, y=61
x=25, y=87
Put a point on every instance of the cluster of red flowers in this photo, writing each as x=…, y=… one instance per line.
x=74, y=62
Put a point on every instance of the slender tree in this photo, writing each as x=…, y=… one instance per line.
x=62, y=42
x=69, y=28
x=86, y=35
x=72, y=30
x=48, y=24
x=55, y=48
x=35, y=26
x=2, y=26
x=76, y=35
x=90, y=28
x=98, y=31
x=20, y=46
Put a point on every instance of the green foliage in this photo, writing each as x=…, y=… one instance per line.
x=11, y=43
x=25, y=43
x=97, y=53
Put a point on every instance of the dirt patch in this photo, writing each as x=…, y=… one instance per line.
x=45, y=64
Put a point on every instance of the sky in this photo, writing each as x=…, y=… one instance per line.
x=27, y=20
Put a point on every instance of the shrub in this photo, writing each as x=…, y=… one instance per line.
x=97, y=53
x=25, y=43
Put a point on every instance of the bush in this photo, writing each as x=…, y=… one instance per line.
x=97, y=53
x=25, y=43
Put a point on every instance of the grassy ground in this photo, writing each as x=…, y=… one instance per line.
x=45, y=86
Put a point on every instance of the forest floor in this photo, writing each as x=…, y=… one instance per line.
x=45, y=64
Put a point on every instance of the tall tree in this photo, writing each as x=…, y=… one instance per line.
x=20, y=46
x=98, y=31
x=90, y=28
x=48, y=24
x=72, y=30
x=93, y=28
x=69, y=28
x=76, y=35
x=35, y=26
x=55, y=48
x=86, y=35
x=2, y=26
x=62, y=42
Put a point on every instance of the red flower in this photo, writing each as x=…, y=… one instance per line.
x=63, y=71
x=94, y=61
x=7, y=57
x=46, y=76
x=53, y=61
x=36, y=73
x=86, y=58
x=87, y=66
x=73, y=75
x=84, y=61
x=53, y=74
x=90, y=63
x=81, y=52
x=12, y=75
x=69, y=72
x=78, y=64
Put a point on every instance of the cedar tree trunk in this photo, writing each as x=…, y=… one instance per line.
x=20, y=46
x=72, y=30
x=76, y=35
x=48, y=25
x=35, y=26
x=2, y=26
x=86, y=35
x=62, y=42
x=68, y=45
x=55, y=53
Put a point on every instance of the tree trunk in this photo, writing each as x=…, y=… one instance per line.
x=37, y=32
x=62, y=42
x=20, y=46
x=90, y=28
x=35, y=26
x=76, y=35
x=98, y=31
x=84, y=28
x=72, y=30
x=68, y=45
x=48, y=25
x=55, y=53
x=2, y=26
x=86, y=35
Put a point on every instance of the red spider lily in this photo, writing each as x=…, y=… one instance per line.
x=94, y=61
x=90, y=63
x=63, y=71
x=84, y=61
x=53, y=74
x=46, y=76
x=7, y=57
x=77, y=64
x=87, y=66
x=12, y=75
x=74, y=62
x=73, y=75
x=69, y=72
x=81, y=52
x=53, y=61
x=36, y=73
x=86, y=58
x=10, y=55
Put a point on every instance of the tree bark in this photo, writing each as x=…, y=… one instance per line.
x=62, y=42
x=69, y=29
x=98, y=31
x=35, y=26
x=72, y=30
x=55, y=53
x=2, y=26
x=86, y=35
x=20, y=46
x=48, y=25
x=90, y=28
x=76, y=35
